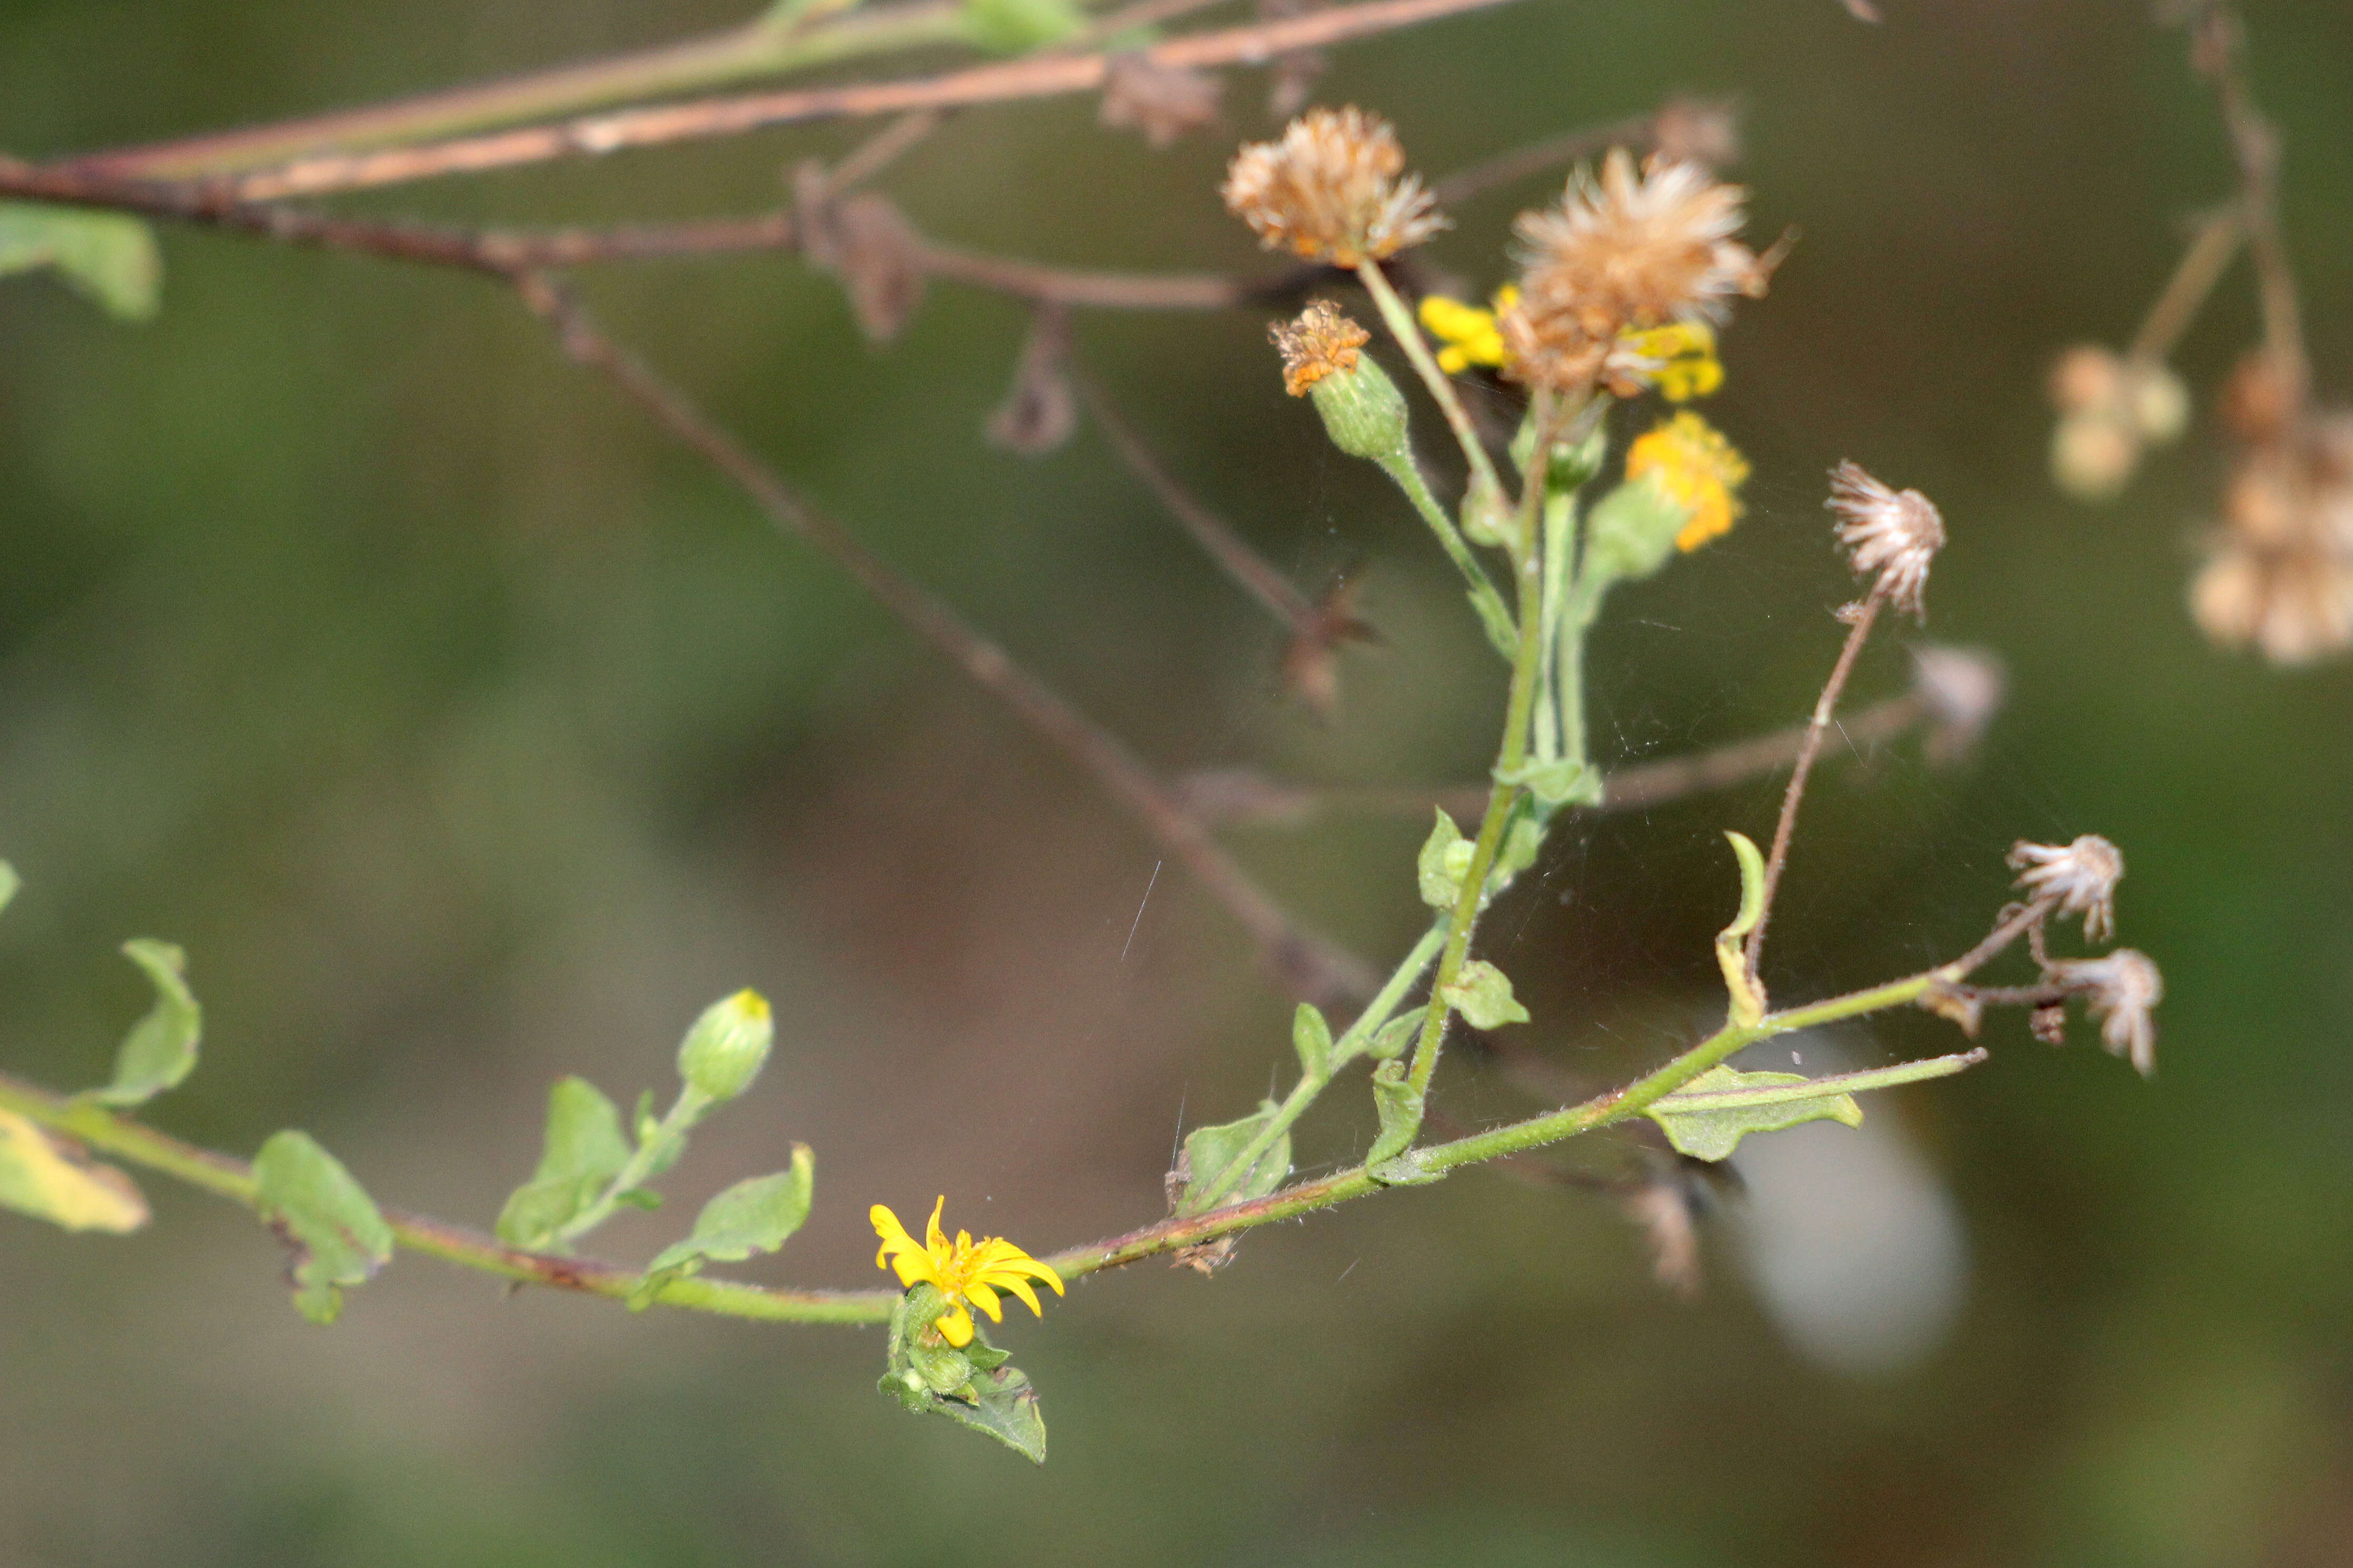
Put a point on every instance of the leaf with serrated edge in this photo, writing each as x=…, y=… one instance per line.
x=1310, y=1037
x=1400, y=1107
x=1006, y=1408
x=1208, y=1151
x=582, y=1151
x=1441, y=863
x=109, y=257
x=45, y=1177
x=327, y=1220
x=160, y=1048
x=1482, y=995
x=1699, y=1122
x=752, y=1217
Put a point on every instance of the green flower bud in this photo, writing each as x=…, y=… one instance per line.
x=1632, y=530
x=1363, y=411
x=725, y=1049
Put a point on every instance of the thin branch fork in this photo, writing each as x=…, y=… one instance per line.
x=1033, y=77
x=1307, y=966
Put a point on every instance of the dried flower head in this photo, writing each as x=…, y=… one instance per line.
x=2110, y=410
x=1161, y=102
x=1319, y=342
x=1333, y=190
x=1625, y=250
x=2122, y=989
x=1961, y=688
x=1699, y=467
x=2082, y=877
x=1894, y=533
x=2281, y=576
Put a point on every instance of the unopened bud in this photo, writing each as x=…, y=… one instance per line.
x=725, y=1049
x=1363, y=411
x=1632, y=530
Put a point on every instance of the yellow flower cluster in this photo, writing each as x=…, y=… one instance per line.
x=968, y=1273
x=1678, y=358
x=1699, y=467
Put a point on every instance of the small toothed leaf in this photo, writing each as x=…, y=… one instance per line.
x=1482, y=995
x=109, y=257
x=329, y=1224
x=48, y=1178
x=1444, y=861
x=1400, y=1107
x=1210, y=1151
x=583, y=1149
x=160, y=1048
x=1707, y=1118
x=1310, y=1037
x=752, y=1217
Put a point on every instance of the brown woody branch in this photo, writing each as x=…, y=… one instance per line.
x=1033, y=77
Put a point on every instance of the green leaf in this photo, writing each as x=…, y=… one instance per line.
x=1398, y=1105
x=584, y=1149
x=1209, y=1152
x=1004, y=1407
x=325, y=1218
x=991, y=1398
x=109, y=257
x=1631, y=532
x=1707, y=1118
x=1747, y=1001
x=1557, y=782
x=752, y=1217
x=9, y=883
x=1482, y=995
x=1016, y=26
x=47, y=1178
x=160, y=1048
x=1444, y=861
x=1310, y=1037
x=1393, y=1038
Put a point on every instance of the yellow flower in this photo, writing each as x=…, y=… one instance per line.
x=1697, y=466
x=1684, y=353
x=964, y=1271
x=1470, y=334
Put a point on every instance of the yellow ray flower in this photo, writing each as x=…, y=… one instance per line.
x=964, y=1271
x=1697, y=466
x=1684, y=353
x=1470, y=334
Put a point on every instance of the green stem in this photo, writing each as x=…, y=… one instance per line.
x=1377, y=1012
x=1408, y=332
x=121, y=1138
x=674, y=1125
x=1485, y=597
x=1513, y=752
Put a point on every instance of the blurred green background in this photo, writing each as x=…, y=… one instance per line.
x=469, y=734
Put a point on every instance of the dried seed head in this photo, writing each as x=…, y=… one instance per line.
x=2110, y=410
x=1319, y=343
x=1161, y=102
x=2122, y=989
x=2082, y=877
x=2281, y=576
x=1625, y=250
x=1334, y=189
x=1894, y=533
x=1962, y=690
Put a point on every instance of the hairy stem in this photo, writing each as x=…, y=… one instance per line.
x=1408, y=332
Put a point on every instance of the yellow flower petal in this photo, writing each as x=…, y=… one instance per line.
x=1019, y=1285
x=956, y=1327
x=981, y=1296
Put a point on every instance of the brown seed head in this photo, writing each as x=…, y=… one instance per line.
x=1895, y=534
x=2082, y=877
x=1319, y=342
x=1625, y=249
x=1334, y=189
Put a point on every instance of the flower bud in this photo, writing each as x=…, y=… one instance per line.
x=725, y=1049
x=1363, y=411
x=1632, y=530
